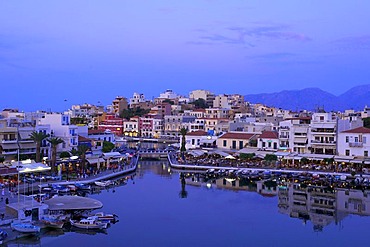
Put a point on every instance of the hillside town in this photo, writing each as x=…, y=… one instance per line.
x=222, y=122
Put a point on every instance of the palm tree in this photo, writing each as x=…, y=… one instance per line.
x=82, y=149
x=183, y=132
x=54, y=141
x=38, y=137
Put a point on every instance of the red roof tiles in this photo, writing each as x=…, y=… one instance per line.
x=231, y=135
x=359, y=130
x=269, y=135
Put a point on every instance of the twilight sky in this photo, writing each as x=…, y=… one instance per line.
x=91, y=51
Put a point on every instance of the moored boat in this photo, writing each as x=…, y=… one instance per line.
x=89, y=223
x=82, y=186
x=25, y=228
x=106, y=217
x=103, y=183
x=52, y=222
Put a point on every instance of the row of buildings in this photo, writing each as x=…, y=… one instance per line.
x=213, y=121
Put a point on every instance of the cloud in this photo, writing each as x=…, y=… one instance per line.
x=272, y=32
x=249, y=36
x=353, y=43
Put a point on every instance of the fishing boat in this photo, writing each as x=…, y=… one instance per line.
x=103, y=183
x=3, y=236
x=82, y=186
x=89, y=223
x=52, y=222
x=106, y=217
x=25, y=228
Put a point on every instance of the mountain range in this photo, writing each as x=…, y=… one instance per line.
x=312, y=99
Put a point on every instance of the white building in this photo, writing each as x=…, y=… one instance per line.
x=59, y=125
x=293, y=134
x=137, y=98
x=168, y=94
x=323, y=133
x=354, y=142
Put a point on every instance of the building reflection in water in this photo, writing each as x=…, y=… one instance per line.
x=322, y=205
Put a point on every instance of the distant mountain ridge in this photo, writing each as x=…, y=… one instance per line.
x=313, y=98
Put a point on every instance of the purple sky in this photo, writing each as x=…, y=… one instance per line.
x=90, y=51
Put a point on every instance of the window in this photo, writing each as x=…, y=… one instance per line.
x=366, y=153
x=356, y=139
x=364, y=139
x=347, y=139
x=347, y=152
x=224, y=143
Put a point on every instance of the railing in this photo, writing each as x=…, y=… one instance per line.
x=9, y=141
x=356, y=144
x=323, y=142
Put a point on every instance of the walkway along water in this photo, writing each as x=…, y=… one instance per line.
x=173, y=163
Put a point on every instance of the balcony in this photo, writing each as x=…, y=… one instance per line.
x=9, y=141
x=325, y=143
x=356, y=144
x=284, y=137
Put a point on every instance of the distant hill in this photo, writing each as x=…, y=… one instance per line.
x=314, y=98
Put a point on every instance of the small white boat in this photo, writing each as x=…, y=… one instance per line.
x=103, y=183
x=25, y=228
x=89, y=223
x=106, y=217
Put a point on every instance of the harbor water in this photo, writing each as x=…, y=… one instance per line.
x=157, y=208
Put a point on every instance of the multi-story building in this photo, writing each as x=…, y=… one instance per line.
x=323, y=133
x=59, y=125
x=293, y=134
x=354, y=142
x=168, y=94
x=119, y=104
x=217, y=113
x=137, y=98
x=216, y=126
x=112, y=123
x=173, y=124
x=146, y=126
x=131, y=127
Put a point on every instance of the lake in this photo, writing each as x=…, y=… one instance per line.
x=156, y=209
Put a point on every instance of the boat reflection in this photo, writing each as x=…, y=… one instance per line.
x=307, y=201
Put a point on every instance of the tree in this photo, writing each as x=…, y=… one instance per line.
x=2, y=159
x=171, y=102
x=131, y=112
x=107, y=147
x=38, y=137
x=82, y=149
x=200, y=103
x=183, y=132
x=247, y=156
x=64, y=154
x=270, y=157
x=304, y=161
x=54, y=142
x=366, y=122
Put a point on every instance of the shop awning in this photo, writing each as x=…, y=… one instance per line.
x=27, y=145
x=9, y=145
x=95, y=160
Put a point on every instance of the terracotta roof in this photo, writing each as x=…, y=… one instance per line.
x=359, y=130
x=269, y=135
x=231, y=135
x=197, y=133
x=83, y=139
x=92, y=132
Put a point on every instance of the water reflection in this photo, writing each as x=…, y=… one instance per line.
x=322, y=205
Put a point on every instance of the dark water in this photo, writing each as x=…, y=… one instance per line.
x=156, y=210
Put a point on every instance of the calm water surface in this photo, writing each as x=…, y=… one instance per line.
x=155, y=210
